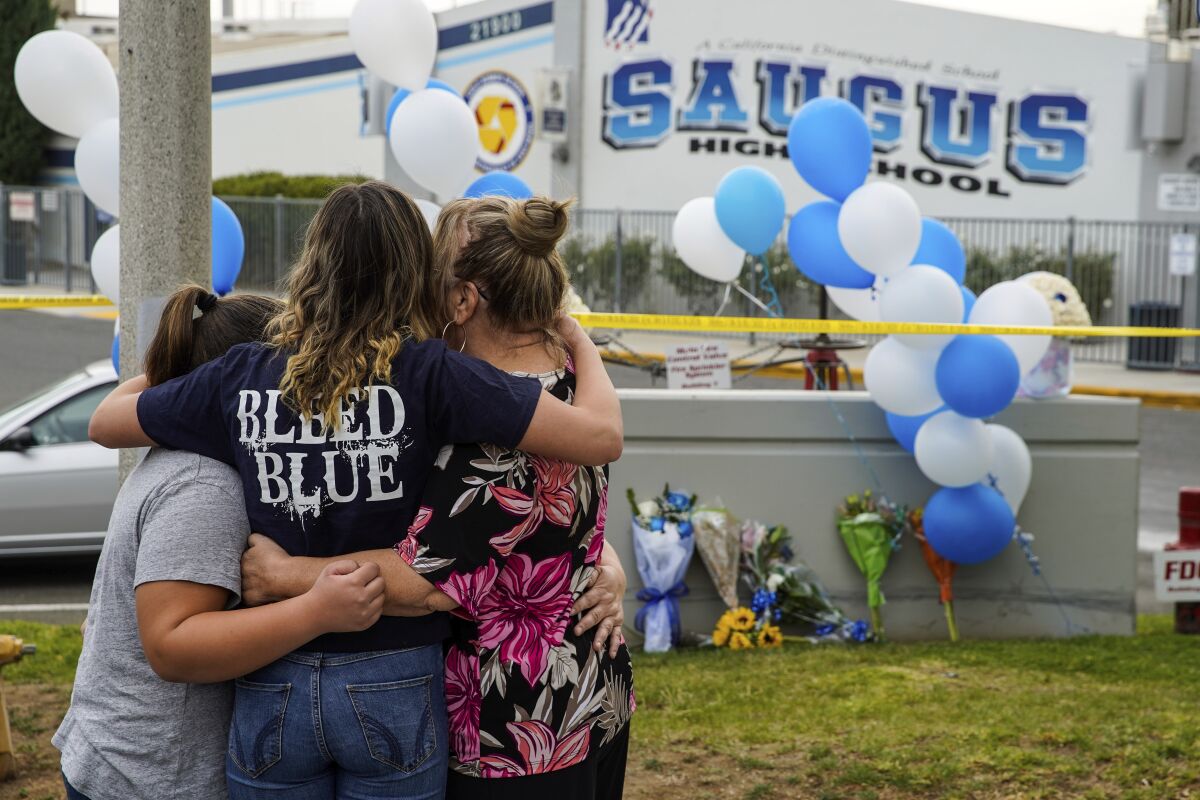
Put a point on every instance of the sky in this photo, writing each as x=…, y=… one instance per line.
x=1120, y=16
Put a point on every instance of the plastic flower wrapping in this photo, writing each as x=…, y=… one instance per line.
x=871, y=529
x=1053, y=375
x=663, y=545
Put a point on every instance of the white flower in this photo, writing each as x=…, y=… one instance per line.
x=775, y=581
x=671, y=529
x=647, y=510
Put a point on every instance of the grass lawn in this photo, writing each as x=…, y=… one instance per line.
x=1087, y=717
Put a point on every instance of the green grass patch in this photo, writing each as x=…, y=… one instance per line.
x=1090, y=717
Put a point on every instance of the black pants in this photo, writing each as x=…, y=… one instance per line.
x=600, y=777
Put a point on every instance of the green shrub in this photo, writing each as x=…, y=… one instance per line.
x=270, y=184
x=1091, y=272
x=21, y=136
x=593, y=270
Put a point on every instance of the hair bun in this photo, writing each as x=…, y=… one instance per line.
x=539, y=224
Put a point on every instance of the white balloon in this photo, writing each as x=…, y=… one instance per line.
x=429, y=210
x=435, y=139
x=901, y=379
x=395, y=39
x=1016, y=303
x=702, y=244
x=860, y=304
x=880, y=228
x=953, y=450
x=922, y=294
x=106, y=264
x=98, y=165
x=65, y=81
x=1012, y=465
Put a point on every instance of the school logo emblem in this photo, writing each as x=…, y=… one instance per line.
x=628, y=23
x=504, y=115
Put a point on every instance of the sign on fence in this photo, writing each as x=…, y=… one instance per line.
x=1183, y=254
x=1177, y=576
x=700, y=365
x=22, y=207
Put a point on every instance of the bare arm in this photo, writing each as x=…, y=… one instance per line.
x=604, y=602
x=269, y=574
x=115, y=421
x=187, y=637
x=590, y=432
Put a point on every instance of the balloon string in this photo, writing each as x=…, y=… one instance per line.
x=754, y=300
x=725, y=300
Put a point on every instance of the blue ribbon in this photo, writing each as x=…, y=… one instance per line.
x=652, y=597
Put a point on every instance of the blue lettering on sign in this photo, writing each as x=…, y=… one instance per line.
x=953, y=130
x=713, y=105
x=881, y=100
x=1048, y=138
x=780, y=92
x=637, y=104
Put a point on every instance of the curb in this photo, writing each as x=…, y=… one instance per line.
x=1151, y=398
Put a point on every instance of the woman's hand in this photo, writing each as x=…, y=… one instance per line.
x=605, y=609
x=347, y=596
x=267, y=573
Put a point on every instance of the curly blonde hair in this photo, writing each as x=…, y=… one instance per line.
x=358, y=291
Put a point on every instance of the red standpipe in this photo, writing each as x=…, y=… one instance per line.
x=1187, y=615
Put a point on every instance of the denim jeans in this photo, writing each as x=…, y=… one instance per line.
x=72, y=792
x=352, y=726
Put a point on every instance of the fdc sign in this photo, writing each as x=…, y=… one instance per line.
x=1177, y=576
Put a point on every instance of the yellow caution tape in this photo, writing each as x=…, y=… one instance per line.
x=53, y=301
x=677, y=322
x=670, y=322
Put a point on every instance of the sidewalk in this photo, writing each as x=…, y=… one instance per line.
x=1168, y=389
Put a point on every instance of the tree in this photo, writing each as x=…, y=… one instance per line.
x=21, y=136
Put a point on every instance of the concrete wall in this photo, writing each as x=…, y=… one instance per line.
x=783, y=457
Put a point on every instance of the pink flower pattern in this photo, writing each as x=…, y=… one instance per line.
x=512, y=556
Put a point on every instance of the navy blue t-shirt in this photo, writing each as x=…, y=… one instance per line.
x=356, y=488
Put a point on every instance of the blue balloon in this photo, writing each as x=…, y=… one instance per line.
x=830, y=146
x=816, y=249
x=968, y=525
x=400, y=94
x=968, y=302
x=116, y=353
x=940, y=248
x=904, y=429
x=750, y=208
x=499, y=184
x=977, y=376
x=228, y=247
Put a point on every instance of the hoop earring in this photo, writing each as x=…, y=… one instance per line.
x=462, y=346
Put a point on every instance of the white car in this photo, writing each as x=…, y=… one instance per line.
x=56, y=487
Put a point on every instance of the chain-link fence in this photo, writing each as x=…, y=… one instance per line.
x=626, y=261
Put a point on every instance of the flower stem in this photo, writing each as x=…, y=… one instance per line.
x=877, y=623
x=951, y=623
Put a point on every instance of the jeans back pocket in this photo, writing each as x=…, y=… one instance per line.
x=397, y=721
x=256, y=732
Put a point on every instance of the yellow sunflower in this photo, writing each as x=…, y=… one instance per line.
x=739, y=641
x=770, y=636
x=721, y=635
x=743, y=619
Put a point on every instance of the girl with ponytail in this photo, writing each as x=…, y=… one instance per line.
x=334, y=426
x=153, y=696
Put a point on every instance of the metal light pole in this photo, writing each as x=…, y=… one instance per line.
x=166, y=163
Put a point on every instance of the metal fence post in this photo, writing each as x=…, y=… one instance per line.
x=280, y=256
x=617, y=281
x=1071, y=249
x=3, y=232
x=68, y=260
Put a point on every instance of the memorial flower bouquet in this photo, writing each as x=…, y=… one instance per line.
x=871, y=530
x=663, y=545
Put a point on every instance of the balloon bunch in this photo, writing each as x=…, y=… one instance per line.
x=431, y=130
x=67, y=83
x=880, y=260
x=712, y=235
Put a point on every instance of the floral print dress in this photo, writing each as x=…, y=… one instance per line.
x=514, y=539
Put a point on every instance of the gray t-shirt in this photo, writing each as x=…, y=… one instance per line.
x=129, y=734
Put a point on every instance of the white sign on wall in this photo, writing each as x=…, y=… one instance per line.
x=22, y=207
x=1183, y=254
x=1179, y=192
x=1177, y=576
x=699, y=365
